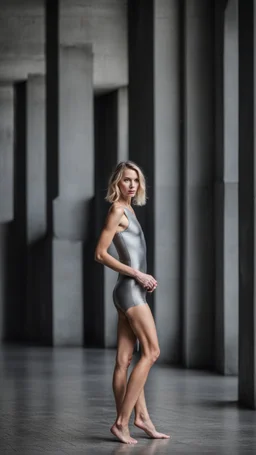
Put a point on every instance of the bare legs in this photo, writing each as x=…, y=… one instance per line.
x=139, y=322
x=125, y=341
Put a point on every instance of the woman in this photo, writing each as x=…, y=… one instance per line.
x=135, y=319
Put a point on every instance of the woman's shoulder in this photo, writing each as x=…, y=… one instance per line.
x=116, y=208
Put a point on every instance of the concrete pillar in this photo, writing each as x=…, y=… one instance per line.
x=6, y=200
x=3, y=279
x=247, y=221
x=226, y=189
x=141, y=111
x=197, y=222
x=154, y=143
x=72, y=209
x=122, y=123
x=6, y=153
x=70, y=186
x=110, y=276
x=35, y=186
x=111, y=146
x=16, y=238
x=167, y=192
x=218, y=188
x=36, y=159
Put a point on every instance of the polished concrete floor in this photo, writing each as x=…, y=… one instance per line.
x=60, y=401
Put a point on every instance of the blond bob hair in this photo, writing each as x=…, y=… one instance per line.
x=114, y=193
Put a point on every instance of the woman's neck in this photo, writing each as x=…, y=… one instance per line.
x=126, y=201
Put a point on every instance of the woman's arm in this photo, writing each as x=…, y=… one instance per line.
x=105, y=239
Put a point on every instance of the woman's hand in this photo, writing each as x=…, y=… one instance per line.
x=147, y=281
x=152, y=289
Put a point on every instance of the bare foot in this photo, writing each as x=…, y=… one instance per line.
x=122, y=433
x=149, y=428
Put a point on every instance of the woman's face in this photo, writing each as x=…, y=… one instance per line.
x=129, y=183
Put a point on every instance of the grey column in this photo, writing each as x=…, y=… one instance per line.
x=110, y=276
x=247, y=222
x=141, y=111
x=198, y=259
x=226, y=191
x=154, y=143
x=6, y=195
x=16, y=238
x=111, y=146
x=218, y=189
x=122, y=124
x=35, y=186
x=72, y=211
x=6, y=153
x=36, y=159
x=3, y=279
x=70, y=185
x=167, y=191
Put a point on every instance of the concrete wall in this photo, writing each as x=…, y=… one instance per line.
x=22, y=39
x=102, y=23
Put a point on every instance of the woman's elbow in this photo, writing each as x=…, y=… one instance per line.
x=98, y=256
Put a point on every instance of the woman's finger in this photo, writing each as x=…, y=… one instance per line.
x=152, y=288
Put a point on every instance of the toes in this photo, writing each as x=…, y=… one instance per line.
x=164, y=436
x=158, y=435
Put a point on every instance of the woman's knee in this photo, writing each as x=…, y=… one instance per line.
x=152, y=354
x=155, y=354
x=123, y=361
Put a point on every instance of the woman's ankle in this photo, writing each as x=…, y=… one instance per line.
x=141, y=415
x=121, y=422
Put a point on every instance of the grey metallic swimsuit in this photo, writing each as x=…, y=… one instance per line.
x=131, y=248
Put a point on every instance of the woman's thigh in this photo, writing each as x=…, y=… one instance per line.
x=143, y=325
